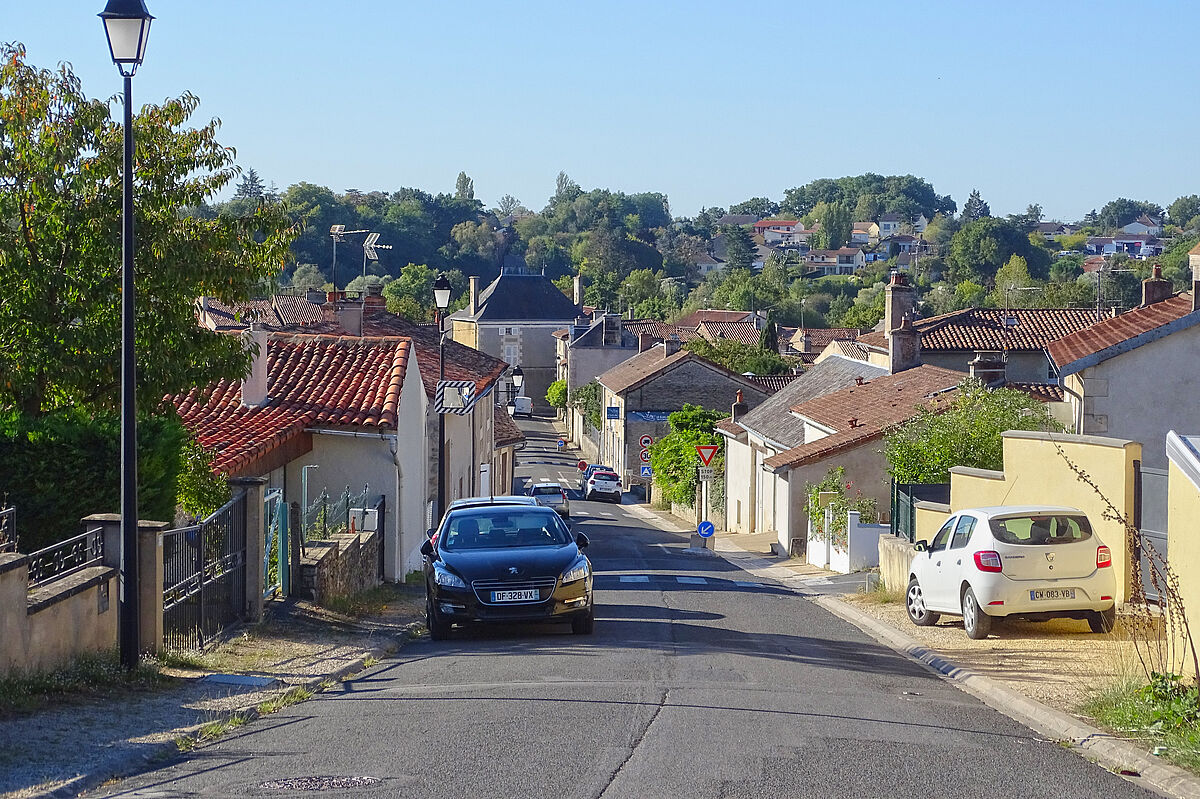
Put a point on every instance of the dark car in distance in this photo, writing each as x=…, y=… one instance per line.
x=504, y=564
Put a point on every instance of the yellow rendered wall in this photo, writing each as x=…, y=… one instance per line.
x=1183, y=539
x=1036, y=473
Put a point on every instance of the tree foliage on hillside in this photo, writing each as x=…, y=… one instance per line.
x=868, y=195
x=60, y=246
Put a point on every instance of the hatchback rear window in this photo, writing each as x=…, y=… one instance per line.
x=1042, y=529
x=604, y=476
x=545, y=491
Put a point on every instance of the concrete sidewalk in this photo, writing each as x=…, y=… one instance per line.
x=82, y=743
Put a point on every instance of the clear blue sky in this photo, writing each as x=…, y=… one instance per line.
x=1068, y=104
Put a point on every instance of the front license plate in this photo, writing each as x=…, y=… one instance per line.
x=527, y=595
x=1052, y=593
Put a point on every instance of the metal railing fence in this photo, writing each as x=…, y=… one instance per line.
x=66, y=557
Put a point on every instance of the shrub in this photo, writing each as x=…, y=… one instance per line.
x=556, y=394
x=842, y=503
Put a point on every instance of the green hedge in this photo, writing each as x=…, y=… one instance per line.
x=57, y=469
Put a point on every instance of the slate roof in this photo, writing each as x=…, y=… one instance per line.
x=693, y=319
x=983, y=329
x=507, y=433
x=743, y=332
x=517, y=296
x=773, y=420
x=874, y=407
x=1111, y=337
x=332, y=381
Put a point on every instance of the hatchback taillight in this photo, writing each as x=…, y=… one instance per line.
x=564, y=494
x=1103, y=557
x=988, y=561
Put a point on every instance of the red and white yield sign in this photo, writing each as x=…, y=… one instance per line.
x=706, y=452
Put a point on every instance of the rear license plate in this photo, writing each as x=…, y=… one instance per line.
x=1052, y=593
x=527, y=595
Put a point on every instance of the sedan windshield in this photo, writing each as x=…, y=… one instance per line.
x=1042, y=529
x=493, y=529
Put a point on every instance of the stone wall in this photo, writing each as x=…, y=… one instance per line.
x=895, y=558
x=341, y=566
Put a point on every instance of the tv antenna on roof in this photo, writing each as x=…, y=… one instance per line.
x=337, y=232
x=369, y=249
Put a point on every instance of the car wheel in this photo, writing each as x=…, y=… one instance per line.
x=977, y=623
x=439, y=630
x=918, y=613
x=584, y=624
x=1103, y=621
x=588, y=496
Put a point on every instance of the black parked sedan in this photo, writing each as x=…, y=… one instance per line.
x=506, y=564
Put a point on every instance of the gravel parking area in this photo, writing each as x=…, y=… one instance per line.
x=73, y=745
x=1060, y=663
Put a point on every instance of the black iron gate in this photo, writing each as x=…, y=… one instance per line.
x=204, y=577
x=905, y=497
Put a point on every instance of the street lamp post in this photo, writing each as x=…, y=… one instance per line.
x=441, y=299
x=127, y=26
x=518, y=378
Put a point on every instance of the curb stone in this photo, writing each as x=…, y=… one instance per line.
x=166, y=752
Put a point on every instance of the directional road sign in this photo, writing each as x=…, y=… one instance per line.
x=706, y=452
x=705, y=529
x=561, y=443
x=647, y=471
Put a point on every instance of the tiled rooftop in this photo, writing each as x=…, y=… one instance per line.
x=820, y=337
x=1118, y=333
x=743, y=332
x=507, y=433
x=984, y=329
x=659, y=330
x=772, y=383
x=693, y=319
x=333, y=381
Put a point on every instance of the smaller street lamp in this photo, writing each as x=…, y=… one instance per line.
x=127, y=25
x=441, y=293
x=518, y=378
x=441, y=299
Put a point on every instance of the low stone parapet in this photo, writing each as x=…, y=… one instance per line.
x=895, y=558
x=340, y=566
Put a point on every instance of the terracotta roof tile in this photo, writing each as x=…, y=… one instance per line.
x=635, y=371
x=659, y=330
x=820, y=337
x=731, y=427
x=1118, y=334
x=983, y=329
x=507, y=433
x=693, y=319
x=772, y=383
x=743, y=332
x=1046, y=392
x=339, y=381
x=863, y=412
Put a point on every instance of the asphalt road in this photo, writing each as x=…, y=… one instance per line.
x=699, y=681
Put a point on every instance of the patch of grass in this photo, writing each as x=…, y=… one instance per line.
x=880, y=594
x=371, y=602
x=1164, y=713
x=189, y=661
x=87, y=675
x=290, y=697
x=369, y=661
x=210, y=731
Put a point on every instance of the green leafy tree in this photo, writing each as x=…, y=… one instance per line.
x=1122, y=211
x=411, y=294
x=837, y=223
x=586, y=399
x=308, y=276
x=1184, y=210
x=980, y=248
x=1012, y=278
x=845, y=498
x=760, y=207
x=464, y=188
x=673, y=457
x=966, y=432
x=768, y=337
x=738, y=357
x=739, y=247
x=975, y=208
x=60, y=245
x=556, y=394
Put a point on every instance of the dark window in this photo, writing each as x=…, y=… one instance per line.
x=962, y=532
x=1042, y=529
x=942, y=538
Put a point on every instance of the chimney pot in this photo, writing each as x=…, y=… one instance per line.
x=671, y=345
x=858, y=381
x=739, y=406
x=254, y=384
x=473, y=302
x=578, y=290
x=1155, y=288
x=853, y=422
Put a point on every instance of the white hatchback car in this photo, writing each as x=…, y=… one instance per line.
x=1033, y=561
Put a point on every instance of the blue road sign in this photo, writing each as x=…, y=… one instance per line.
x=613, y=411
x=647, y=471
x=561, y=443
x=705, y=529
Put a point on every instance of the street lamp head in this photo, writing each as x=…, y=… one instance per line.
x=127, y=25
x=518, y=378
x=441, y=293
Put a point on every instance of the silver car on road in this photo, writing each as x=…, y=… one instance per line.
x=552, y=495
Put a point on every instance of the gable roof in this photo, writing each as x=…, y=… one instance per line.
x=333, y=381
x=821, y=337
x=659, y=330
x=744, y=332
x=692, y=320
x=773, y=383
x=873, y=407
x=984, y=329
x=644, y=366
x=279, y=310
x=773, y=420
x=1111, y=337
x=519, y=296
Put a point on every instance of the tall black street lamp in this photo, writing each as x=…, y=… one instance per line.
x=441, y=299
x=518, y=378
x=127, y=26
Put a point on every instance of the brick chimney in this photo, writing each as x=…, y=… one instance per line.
x=739, y=406
x=645, y=341
x=254, y=385
x=373, y=301
x=473, y=303
x=900, y=301
x=578, y=296
x=1156, y=288
x=988, y=366
x=904, y=347
x=671, y=345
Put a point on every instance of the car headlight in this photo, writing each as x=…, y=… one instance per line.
x=447, y=579
x=578, y=571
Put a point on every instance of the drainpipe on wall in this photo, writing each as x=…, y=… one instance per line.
x=1078, y=415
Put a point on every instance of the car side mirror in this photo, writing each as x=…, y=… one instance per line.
x=427, y=548
x=920, y=546
x=581, y=540
x=429, y=533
